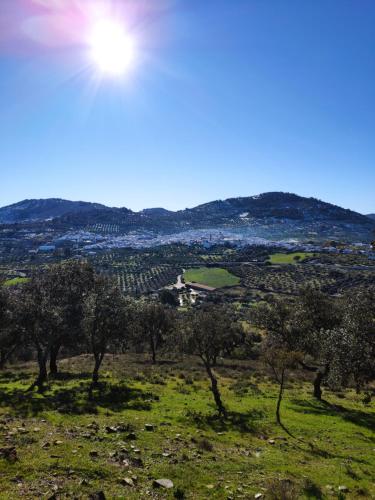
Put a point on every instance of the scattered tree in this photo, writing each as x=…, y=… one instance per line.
x=154, y=324
x=72, y=282
x=280, y=361
x=208, y=332
x=104, y=320
x=351, y=347
x=41, y=320
x=10, y=334
x=302, y=326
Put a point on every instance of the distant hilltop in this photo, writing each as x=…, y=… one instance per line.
x=277, y=204
x=48, y=208
x=279, y=213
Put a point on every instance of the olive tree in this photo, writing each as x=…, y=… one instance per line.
x=302, y=325
x=105, y=320
x=10, y=334
x=153, y=326
x=41, y=319
x=72, y=282
x=280, y=361
x=315, y=315
x=51, y=311
x=207, y=333
x=351, y=347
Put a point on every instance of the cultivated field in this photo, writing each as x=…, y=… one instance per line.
x=289, y=258
x=211, y=276
x=290, y=279
x=15, y=281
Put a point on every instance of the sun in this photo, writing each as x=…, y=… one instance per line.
x=112, y=48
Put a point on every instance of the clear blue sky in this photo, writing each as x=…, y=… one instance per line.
x=228, y=98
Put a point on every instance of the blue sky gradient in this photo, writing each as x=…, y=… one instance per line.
x=229, y=98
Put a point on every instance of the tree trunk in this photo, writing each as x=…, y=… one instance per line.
x=320, y=375
x=95, y=373
x=279, y=399
x=215, y=391
x=5, y=356
x=54, y=352
x=153, y=350
x=43, y=374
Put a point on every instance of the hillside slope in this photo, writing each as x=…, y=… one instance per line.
x=28, y=210
x=275, y=215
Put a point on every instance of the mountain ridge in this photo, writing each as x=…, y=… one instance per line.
x=272, y=214
x=42, y=209
x=35, y=205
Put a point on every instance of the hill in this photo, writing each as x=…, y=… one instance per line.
x=274, y=215
x=275, y=205
x=29, y=210
x=371, y=216
x=156, y=211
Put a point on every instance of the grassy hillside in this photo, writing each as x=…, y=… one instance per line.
x=211, y=276
x=68, y=445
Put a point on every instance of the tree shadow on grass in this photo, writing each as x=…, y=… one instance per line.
x=66, y=376
x=358, y=417
x=74, y=400
x=319, y=452
x=158, y=363
x=8, y=376
x=247, y=422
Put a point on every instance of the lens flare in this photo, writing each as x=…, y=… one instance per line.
x=112, y=48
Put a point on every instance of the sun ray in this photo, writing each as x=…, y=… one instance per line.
x=112, y=48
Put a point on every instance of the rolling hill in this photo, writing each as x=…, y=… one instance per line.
x=50, y=208
x=274, y=215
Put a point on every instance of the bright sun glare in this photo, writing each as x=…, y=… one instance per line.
x=112, y=48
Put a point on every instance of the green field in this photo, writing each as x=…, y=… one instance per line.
x=214, y=277
x=15, y=281
x=289, y=258
x=70, y=447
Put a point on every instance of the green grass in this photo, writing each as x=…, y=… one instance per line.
x=289, y=258
x=214, y=277
x=15, y=281
x=333, y=442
